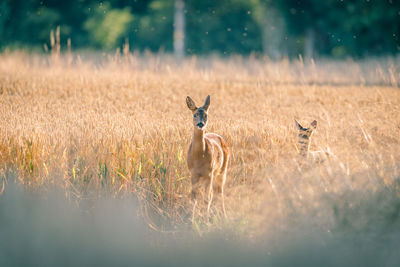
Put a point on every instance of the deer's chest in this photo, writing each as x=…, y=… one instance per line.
x=200, y=163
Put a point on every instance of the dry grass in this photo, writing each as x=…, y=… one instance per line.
x=120, y=125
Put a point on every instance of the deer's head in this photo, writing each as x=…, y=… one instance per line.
x=199, y=113
x=305, y=133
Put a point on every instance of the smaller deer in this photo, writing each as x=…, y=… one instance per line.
x=207, y=157
x=304, y=143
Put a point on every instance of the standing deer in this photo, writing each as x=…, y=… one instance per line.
x=207, y=157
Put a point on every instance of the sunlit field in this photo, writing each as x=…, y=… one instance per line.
x=117, y=127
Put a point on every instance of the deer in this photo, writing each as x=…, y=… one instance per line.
x=207, y=156
x=304, y=144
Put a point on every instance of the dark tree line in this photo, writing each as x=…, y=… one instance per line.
x=282, y=27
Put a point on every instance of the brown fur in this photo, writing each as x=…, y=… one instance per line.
x=305, y=137
x=207, y=157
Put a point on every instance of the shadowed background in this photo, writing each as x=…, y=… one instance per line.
x=334, y=28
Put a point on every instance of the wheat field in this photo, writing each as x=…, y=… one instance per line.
x=118, y=126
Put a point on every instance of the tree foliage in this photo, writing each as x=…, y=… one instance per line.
x=107, y=25
x=340, y=27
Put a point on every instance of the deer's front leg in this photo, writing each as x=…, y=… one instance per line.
x=196, y=185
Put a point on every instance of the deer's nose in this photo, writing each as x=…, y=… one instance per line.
x=200, y=125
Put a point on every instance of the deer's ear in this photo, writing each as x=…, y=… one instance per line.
x=207, y=103
x=314, y=124
x=298, y=125
x=190, y=103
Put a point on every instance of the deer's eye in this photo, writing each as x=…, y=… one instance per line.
x=195, y=115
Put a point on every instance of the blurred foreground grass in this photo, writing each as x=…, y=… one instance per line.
x=49, y=231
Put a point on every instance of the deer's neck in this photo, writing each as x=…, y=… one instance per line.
x=198, y=143
x=304, y=145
